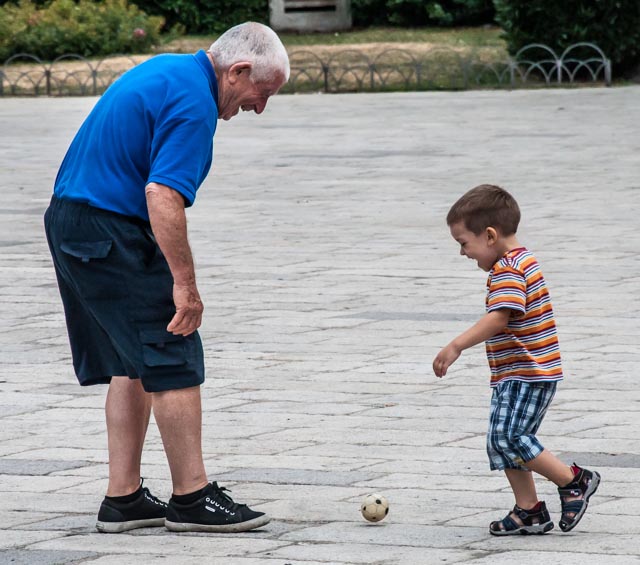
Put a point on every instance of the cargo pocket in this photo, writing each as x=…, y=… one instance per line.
x=94, y=270
x=87, y=250
x=162, y=349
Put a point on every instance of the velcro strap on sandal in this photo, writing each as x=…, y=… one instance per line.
x=574, y=506
x=570, y=492
x=509, y=524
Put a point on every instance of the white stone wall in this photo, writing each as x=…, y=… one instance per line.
x=310, y=15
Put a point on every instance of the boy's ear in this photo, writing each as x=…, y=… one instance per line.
x=492, y=235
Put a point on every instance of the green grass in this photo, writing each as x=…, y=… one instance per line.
x=472, y=37
x=446, y=37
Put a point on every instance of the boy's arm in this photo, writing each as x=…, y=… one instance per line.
x=488, y=326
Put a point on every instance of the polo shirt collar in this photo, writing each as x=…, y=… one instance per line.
x=207, y=67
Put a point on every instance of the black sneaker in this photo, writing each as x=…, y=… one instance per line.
x=214, y=512
x=144, y=512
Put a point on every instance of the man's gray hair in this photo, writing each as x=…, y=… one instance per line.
x=255, y=43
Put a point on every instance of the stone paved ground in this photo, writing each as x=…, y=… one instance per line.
x=330, y=282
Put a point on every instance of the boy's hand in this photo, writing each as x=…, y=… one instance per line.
x=445, y=359
x=489, y=325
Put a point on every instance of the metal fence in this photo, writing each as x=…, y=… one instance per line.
x=347, y=70
x=447, y=69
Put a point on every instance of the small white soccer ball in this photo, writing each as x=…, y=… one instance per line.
x=374, y=507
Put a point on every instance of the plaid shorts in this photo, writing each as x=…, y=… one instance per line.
x=517, y=410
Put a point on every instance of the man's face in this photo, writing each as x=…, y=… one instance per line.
x=479, y=247
x=238, y=92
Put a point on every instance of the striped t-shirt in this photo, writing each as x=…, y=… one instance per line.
x=527, y=350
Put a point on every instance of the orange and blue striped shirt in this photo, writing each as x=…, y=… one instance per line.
x=527, y=349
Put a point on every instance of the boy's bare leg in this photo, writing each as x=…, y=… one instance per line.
x=179, y=418
x=523, y=487
x=127, y=409
x=535, y=518
x=549, y=466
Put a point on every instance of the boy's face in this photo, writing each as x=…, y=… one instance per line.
x=482, y=247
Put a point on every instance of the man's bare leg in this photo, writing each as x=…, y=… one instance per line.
x=127, y=409
x=178, y=414
x=179, y=417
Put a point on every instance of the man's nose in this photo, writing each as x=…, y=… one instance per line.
x=260, y=106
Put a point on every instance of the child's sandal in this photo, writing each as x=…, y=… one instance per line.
x=583, y=486
x=534, y=521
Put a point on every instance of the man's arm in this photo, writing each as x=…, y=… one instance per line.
x=169, y=225
x=488, y=326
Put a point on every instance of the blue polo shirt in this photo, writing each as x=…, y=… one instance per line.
x=154, y=124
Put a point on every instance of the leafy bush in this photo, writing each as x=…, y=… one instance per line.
x=613, y=25
x=416, y=13
x=207, y=16
x=84, y=27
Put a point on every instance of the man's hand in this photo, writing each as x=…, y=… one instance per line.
x=189, y=308
x=445, y=359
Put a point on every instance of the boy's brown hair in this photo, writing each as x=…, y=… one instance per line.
x=486, y=206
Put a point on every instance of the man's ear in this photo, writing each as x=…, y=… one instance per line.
x=237, y=70
x=492, y=235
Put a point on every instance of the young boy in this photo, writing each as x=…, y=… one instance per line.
x=524, y=357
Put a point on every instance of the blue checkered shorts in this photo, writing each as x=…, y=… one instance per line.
x=517, y=410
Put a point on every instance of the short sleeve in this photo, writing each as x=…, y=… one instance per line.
x=507, y=288
x=182, y=147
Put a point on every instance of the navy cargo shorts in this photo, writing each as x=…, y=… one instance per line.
x=117, y=292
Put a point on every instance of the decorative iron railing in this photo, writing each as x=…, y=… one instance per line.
x=68, y=75
x=446, y=69
x=347, y=70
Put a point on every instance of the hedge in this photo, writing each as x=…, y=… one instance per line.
x=613, y=25
x=84, y=28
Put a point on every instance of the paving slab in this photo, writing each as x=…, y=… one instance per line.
x=330, y=282
x=30, y=557
x=510, y=557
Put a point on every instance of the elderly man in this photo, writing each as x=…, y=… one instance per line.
x=117, y=232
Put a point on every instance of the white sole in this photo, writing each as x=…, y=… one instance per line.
x=118, y=527
x=219, y=528
x=537, y=529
